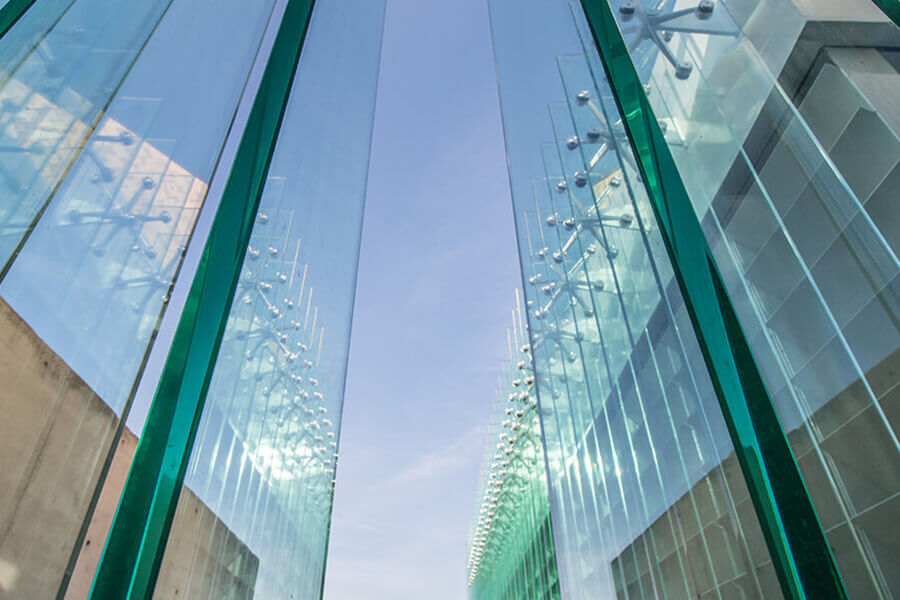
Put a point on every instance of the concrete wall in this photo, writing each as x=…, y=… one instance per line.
x=55, y=437
x=56, y=433
x=205, y=559
x=92, y=545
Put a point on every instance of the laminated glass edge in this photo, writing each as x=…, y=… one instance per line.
x=11, y=12
x=891, y=8
x=801, y=554
x=133, y=552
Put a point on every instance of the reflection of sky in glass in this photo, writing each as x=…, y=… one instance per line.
x=627, y=405
x=448, y=272
x=92, y=278
x=267, y=444
x=94, y=274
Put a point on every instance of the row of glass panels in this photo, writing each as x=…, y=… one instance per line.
x=511, y=553
x=118, y=123
x=789, y=150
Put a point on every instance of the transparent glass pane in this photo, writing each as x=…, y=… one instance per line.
x=781, y=119
x=261, y=471
x=113, y=118
x=511, y=552
x=644, y=478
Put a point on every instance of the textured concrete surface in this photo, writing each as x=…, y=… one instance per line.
x=56, y=433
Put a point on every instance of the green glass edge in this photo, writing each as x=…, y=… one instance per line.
x=891, y=8
x=11, y=12
x=134, y=549
x=800, y=552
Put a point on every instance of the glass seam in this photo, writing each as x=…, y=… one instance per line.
x=134, y=549
x=801, y=554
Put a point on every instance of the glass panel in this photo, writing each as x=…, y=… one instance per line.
x=511, y=553
x=61, y=65
x=643, y=475
x=113, y=119
x=262, y=467
x=781, y=120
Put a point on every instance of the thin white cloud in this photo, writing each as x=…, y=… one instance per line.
x=455, y=455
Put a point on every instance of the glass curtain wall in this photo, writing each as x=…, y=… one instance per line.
x=782, y=119
x=263, y=462
x=112, y=119
x=647, y=498
x=511, y=553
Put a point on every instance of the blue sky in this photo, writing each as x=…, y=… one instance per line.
x=437, y=275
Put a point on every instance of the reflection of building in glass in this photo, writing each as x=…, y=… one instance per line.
x=107, y=250
x=511, y=553
x=775, y=117
x=121, y=129
x=102, y=260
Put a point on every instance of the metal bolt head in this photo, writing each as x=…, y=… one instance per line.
x=583, y=96
x=561, y=187
x=593, y=134
x=572, y=143
x=581, y=179
x=569, y=223
x=683, y=71
x=627, y=9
